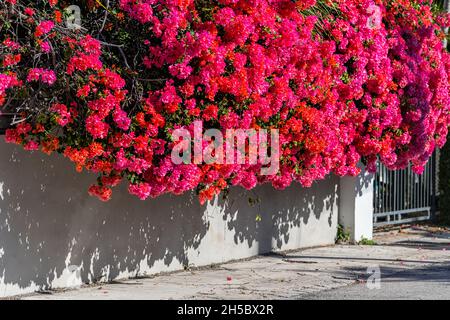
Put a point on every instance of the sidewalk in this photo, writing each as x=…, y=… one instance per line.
x=418, y=258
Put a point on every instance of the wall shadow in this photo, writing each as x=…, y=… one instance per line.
x=272, y=212
x=48, y=222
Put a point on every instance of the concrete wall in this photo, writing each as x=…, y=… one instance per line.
x=52, y=234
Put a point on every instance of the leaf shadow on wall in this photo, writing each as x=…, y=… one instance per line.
x=268, y=211
x=48, y=223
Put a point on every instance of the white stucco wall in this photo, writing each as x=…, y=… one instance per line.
x=52, y=234
x=356, y=205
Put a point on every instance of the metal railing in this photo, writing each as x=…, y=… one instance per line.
x=403, y=196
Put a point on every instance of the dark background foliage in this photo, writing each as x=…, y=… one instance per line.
x=444, y=171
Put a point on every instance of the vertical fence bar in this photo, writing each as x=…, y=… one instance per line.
x=391, y=190
x=424, y=180
x=429, y=183
x=388, y=187
x=403, y=190
x=408, y=184
x=419, y=191
x=397, y=193
x=382, y=189
x=416, y=190
x=433, y=187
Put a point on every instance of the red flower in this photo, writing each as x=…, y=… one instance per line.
x=103, y=193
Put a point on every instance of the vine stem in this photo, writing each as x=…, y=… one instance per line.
x=104, y=7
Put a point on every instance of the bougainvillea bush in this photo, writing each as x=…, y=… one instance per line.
x=343, y=81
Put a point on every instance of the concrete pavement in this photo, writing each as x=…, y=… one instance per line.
x=413, y=264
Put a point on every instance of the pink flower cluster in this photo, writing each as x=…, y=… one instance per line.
x=43, y=75
x=43, y=28
x=363, y=80
x=7, y=82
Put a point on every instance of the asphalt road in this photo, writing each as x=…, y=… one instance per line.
x=428, y=283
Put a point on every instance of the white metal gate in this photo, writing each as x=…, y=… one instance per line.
x=403, y=196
